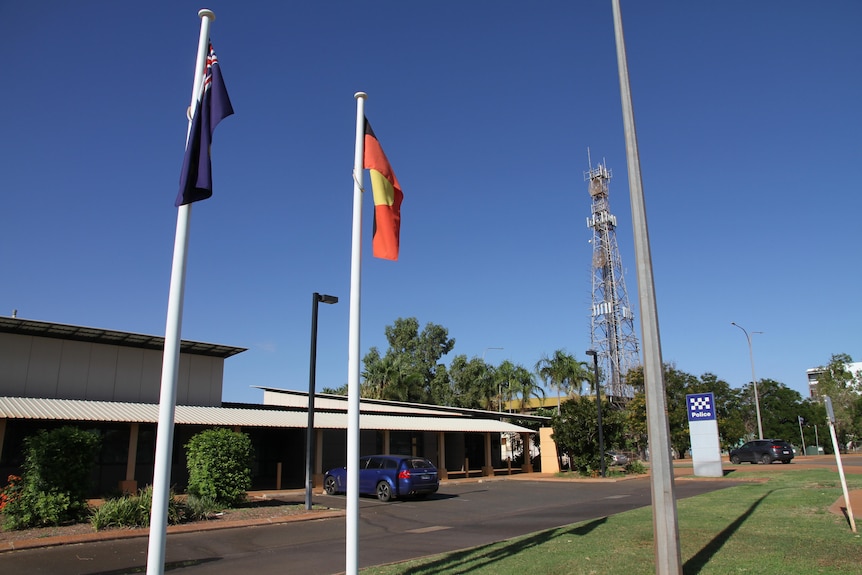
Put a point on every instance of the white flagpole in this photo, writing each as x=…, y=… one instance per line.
x=665, y=525
x=352, y=535
x=171, y=354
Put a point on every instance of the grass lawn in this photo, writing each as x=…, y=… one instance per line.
x=780, y=526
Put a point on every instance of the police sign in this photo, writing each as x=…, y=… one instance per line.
x=701, y=406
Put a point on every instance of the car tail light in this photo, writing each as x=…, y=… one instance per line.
x=404, y=474
x=777, y=447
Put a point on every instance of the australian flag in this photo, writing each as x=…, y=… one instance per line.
x=196, y=180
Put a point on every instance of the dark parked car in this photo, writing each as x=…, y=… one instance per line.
x=762, y=451
x=615, y=458
x=387, y=477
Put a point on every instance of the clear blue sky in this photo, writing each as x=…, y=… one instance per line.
x=748, y=117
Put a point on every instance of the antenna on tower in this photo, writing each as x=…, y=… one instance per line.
x=612, y=332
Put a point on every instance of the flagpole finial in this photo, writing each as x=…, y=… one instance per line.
x=359, y=95
x=207, y=13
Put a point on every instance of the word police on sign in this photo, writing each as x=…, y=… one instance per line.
x=701, y=406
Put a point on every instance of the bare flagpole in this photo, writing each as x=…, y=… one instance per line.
x=171, y=355
x=352, y=534
x=665, y=527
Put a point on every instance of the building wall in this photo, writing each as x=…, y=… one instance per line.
x=814, y=374
x=32, y=366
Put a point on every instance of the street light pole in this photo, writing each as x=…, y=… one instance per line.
x=309, y=439
x=753, y=378
x=486, y=351
x=595, y=355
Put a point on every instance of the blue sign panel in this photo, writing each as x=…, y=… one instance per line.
x=701, y=406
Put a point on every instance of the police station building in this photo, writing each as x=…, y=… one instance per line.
x=107, y=382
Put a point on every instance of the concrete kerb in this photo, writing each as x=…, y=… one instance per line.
x=114, y=534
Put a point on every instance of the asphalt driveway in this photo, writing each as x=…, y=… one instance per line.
x=461, y=515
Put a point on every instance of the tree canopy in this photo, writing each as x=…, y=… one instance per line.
x=412, y=369
x=409, y=371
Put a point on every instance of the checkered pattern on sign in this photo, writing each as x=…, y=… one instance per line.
x=699, y=403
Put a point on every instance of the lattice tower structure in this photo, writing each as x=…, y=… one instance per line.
x=612, y=332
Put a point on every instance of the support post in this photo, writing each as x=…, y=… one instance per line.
x=528, y=444
x=2, y=435
x=442, y=473
x=129, y=485
x=488, y=468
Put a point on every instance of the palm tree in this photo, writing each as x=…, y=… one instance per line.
x=563, y=373
x=503, y=377
x=390, y=378
x=515, y=380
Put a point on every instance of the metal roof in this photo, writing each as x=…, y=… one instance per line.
x=299, y=399
x=84, y=410
x=110, y=337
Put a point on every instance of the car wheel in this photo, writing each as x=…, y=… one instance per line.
x=384, y=492
x=330, y=485
x=765, y=459
x=734, y=459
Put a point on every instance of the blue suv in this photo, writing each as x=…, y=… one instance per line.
x=387, y=477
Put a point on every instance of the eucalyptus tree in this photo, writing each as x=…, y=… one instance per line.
x=677, y=385
x=844, y=388
x=472, y=384
x=411, y=365
x=780, y=408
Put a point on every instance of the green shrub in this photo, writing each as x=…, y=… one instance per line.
x=219, y=464
x=635, y=467
x=54, y=485
x=133, y=511
x=576, y=432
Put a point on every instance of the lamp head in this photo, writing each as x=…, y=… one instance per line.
x=323, y=298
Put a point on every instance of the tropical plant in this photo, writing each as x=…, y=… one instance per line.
x=55, y=481
x=132, y=510
x=563, y=373
x=11, y=491
x=524, y=386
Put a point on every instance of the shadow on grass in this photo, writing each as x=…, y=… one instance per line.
x=696, y=563
x=480, y=557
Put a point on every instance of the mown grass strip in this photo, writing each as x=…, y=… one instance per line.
x=777, y=527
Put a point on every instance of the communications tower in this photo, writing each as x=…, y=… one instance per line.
x=611, y=319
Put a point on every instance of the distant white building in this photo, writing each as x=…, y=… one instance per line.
x=815, y=372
